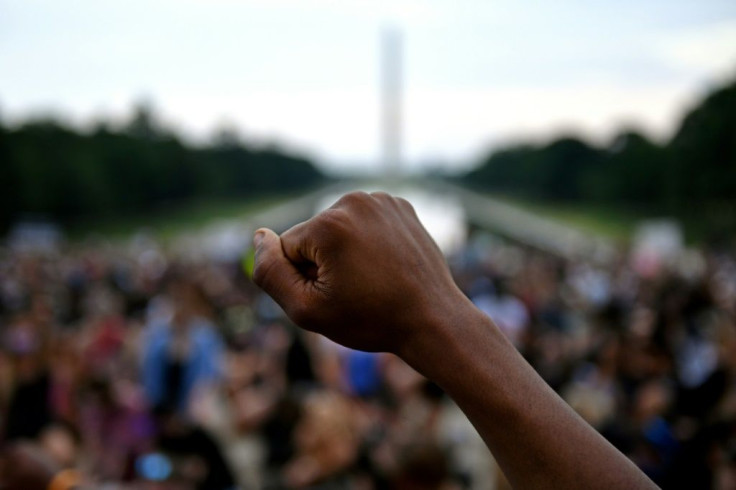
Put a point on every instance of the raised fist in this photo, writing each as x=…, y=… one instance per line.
x=364, y=272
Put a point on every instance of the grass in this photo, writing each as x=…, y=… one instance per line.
x=613, y=223
x=616, y=223
x=166, y=222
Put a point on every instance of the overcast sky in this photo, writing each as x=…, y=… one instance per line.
x=305, y=73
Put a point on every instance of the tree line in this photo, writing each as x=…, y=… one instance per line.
x=51, y=170
x=692, y=176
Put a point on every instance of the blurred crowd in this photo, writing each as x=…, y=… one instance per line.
x=141, y=368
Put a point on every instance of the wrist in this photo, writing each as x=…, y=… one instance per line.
x=445, y=338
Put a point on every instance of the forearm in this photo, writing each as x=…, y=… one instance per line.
x=537, y=439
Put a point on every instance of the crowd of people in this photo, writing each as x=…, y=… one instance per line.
x=142, y=368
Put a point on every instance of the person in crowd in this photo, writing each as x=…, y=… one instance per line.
x=184, y=352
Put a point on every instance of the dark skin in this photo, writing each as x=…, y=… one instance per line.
x=366, y=274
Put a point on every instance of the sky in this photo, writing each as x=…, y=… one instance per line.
x=305, y=74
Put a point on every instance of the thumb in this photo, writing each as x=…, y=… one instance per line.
x=273, y=271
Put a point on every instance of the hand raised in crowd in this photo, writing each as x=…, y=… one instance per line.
x=366, y=274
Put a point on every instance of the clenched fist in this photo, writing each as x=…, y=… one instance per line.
x=364, y=272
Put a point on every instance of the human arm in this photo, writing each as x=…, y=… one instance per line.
x=366, y=274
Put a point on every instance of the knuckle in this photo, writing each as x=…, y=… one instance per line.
x=398, y=203
x=331, y=223
x=406, y=206
x=382, y=196
x=404, y=203
x=354, y=198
